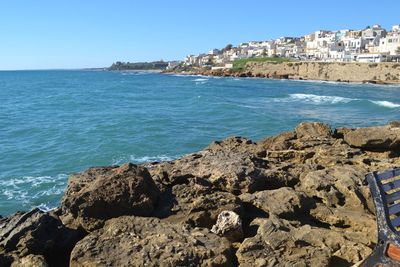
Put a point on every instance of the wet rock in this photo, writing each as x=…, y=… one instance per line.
x=37, y=232
x=196, y=204
x=30, y=261
x=379, y=138
x=102, y=193
x=229, y=225
x=135, y=241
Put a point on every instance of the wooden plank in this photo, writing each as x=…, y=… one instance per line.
x=393, y=197
x=391, y=185
x=388, y=174
x=394, y=209
x=396, y=222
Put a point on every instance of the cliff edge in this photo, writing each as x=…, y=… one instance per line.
x=379, y=73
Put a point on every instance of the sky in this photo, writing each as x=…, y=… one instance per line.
x=48, y=34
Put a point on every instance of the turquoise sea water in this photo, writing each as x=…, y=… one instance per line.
x=54, y=123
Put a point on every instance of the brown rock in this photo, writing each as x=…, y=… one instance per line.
x=282, y=243
x=283, y=202
x=313, y=130
x=102, y=193
x=37, y=232
x=337, y=187
x=195, y=204
x=135, y=241
x=379, y=138
x=233, y=144
x=30, y=261
x=226, y=170
x=282, y=141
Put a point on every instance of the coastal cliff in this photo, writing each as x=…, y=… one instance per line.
x=382, y=73
x=295, y=199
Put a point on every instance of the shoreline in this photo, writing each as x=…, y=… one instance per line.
x=297, y=186
x=351, y=72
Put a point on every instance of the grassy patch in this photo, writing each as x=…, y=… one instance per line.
x=241, y=63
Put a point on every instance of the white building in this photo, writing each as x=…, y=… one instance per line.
x=390, y=44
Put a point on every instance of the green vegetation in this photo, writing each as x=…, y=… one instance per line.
x=240, y=64
x=156, y=65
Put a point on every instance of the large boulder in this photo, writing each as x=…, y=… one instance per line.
x=379, y=138
x=136, y=241
x=102, y=193
x=40, y=233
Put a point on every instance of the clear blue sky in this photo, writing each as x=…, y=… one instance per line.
x=37, y=34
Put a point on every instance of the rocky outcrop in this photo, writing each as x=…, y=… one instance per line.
x=135, y=241
x=102, y=193
x=279, y=242
x=381, y=138
x=295, y=199
x=375, y=73
x=38, y=233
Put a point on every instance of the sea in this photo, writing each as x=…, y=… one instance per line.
x=58, y=122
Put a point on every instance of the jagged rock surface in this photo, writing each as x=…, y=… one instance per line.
x=30, y=261
x=299, y=195
x=135, y=241
x=39, y=233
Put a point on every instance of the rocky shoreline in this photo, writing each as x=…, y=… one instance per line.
x=375, y=73
x=295, y=199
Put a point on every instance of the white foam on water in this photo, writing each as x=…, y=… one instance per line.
x=321, y=99
x=386, y=104
x=143, y=159
x=200, y=80
x=150, y=158
x=28, y=190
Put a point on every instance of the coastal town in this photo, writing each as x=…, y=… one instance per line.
x=372, y=44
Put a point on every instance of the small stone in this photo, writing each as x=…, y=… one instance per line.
x=229, y=225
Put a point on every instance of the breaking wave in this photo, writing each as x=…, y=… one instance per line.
x=322, y=99
x=386, y=104
x=143, y=159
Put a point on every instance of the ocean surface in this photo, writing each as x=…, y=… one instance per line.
x=54, y=123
